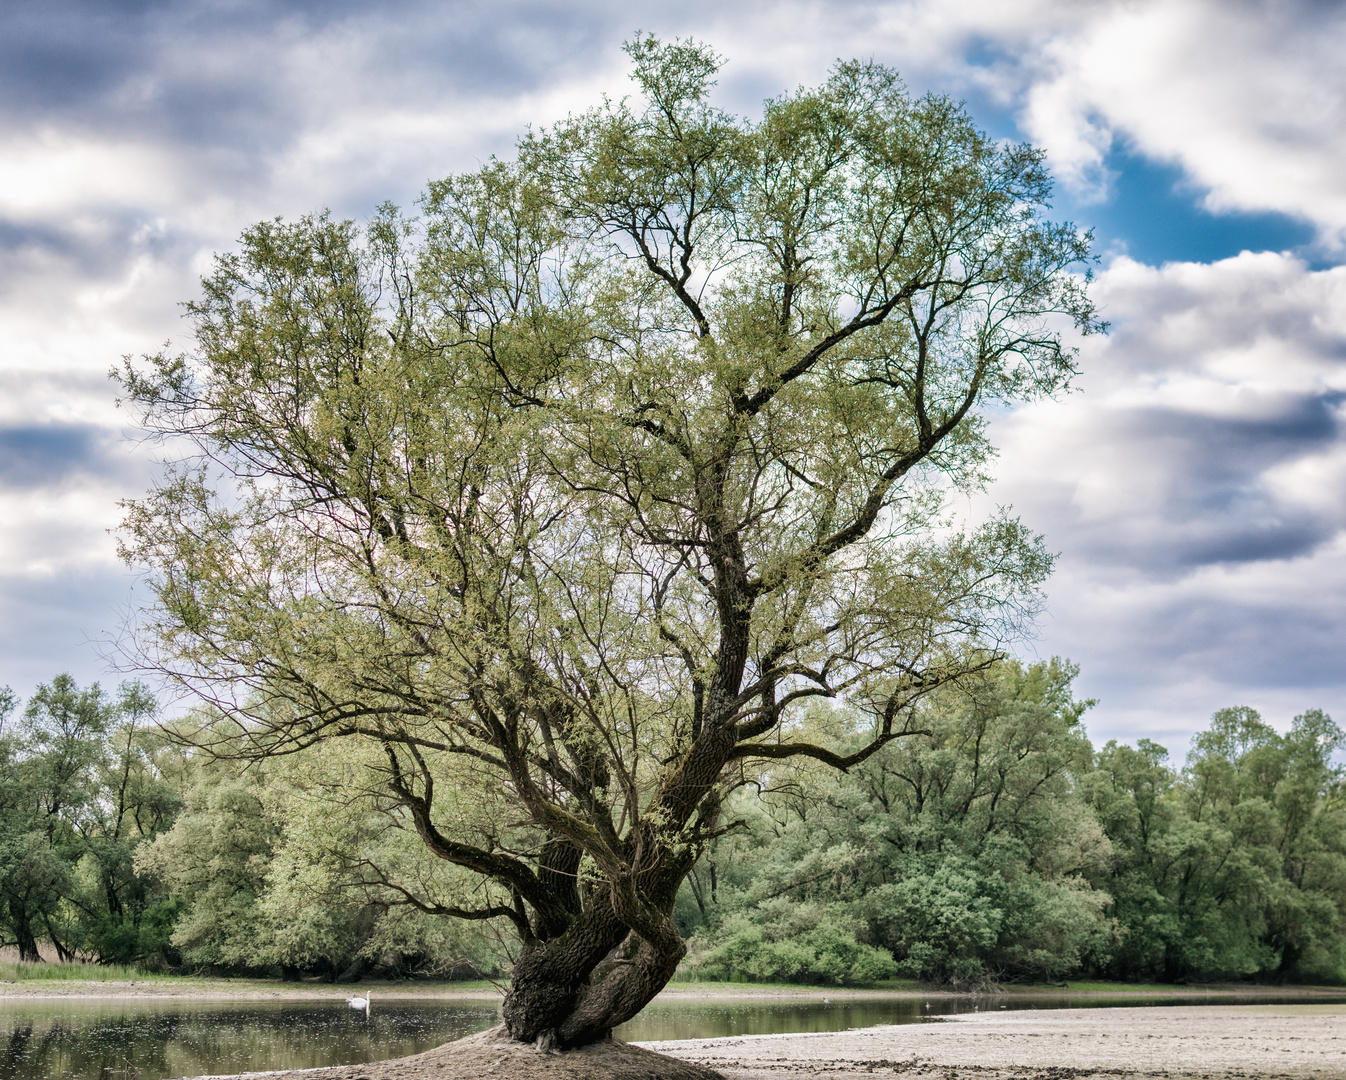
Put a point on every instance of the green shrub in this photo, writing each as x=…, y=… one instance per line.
x=784, y=941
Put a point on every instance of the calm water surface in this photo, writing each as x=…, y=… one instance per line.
x=154, y=1040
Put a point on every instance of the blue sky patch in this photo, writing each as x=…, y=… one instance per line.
x=1153, y=213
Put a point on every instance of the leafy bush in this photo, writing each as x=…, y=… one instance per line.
x=937, y=920
x=784, y=941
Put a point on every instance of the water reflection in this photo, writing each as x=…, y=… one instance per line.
x=711, y=1019
x=93, y=1039
x=85, y=1040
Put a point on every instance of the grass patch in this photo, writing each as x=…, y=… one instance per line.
x=909, y=986
x=22, y=972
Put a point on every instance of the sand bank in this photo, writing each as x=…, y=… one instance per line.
x=1256, y=1042
x=1205, y=1041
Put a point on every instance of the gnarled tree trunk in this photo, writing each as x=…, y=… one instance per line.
x=574, y=988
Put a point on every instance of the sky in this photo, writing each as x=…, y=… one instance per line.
x=1194, y=484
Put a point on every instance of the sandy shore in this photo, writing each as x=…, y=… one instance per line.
x=1206, y=1041
x=1174, y=1041
x=1255, y=1042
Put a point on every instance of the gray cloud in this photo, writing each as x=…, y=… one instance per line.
x=37, y=456
x=1210, y=505
x=237, y=73
x=1197, y=493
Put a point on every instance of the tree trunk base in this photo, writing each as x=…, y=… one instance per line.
x=494, y=1054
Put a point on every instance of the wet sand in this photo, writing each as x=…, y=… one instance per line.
x=1205, y=1041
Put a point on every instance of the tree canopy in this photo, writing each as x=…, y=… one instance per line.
x=80, y=789
x=568, y=493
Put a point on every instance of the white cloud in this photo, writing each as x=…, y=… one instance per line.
x=1197, y=491
x=1248, y=98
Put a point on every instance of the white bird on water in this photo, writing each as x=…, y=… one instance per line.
x=360, y=1002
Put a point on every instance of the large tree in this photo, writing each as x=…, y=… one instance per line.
x=566, y=494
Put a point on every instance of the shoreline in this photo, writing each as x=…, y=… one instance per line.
x=1251, y=1042
x=208, y=989
x=1186, y=1033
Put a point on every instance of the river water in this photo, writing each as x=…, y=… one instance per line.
x=148, y=1039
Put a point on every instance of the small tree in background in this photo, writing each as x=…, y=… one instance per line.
x=79, y=790
x=565, y=497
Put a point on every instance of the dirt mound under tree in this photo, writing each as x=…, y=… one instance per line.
x=491, y=1054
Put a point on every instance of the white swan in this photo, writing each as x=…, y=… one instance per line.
x=360, y=1002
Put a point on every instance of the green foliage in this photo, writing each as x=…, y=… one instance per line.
x=938, y=918
x=781, y=940
x=215, y=859
x=999, y=845
x=285, y=865
x=1235, y=866
x=81, y=786
x=996, y=846
x=963, y=852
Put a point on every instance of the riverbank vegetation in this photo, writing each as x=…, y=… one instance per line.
x=43, y=972
x=1003, y=845
x=1000, y=847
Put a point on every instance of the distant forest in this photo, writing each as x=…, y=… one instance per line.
x=1000, y=846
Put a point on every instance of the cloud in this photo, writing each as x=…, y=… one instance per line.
x=1249, y=98
x=49, y=455
x=1195, y=489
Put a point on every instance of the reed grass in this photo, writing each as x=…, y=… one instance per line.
x=44, y=972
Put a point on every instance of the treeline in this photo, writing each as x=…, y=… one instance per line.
x=1002, y=846
x=119, y=843
x=80, y=790
x=998, y=846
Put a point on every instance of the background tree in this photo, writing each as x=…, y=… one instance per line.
x=964, y=854
x=214, y=863
x=50, y=758
x=569, y=495
x=284, y=865
x=1235, y=866
x=137, y=799
x=80, y=788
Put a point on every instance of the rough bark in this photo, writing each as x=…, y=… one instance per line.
x=618, y=952
x=574, y=989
